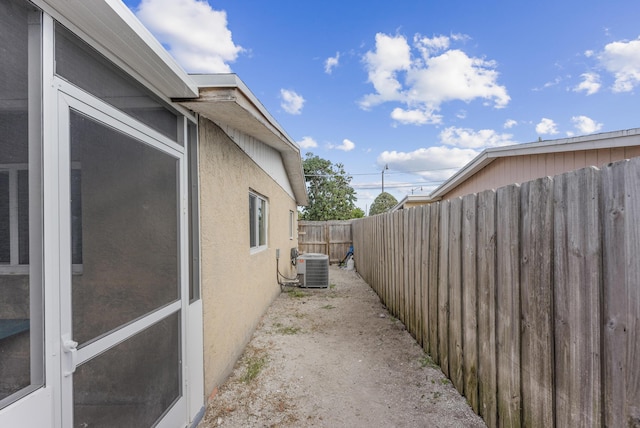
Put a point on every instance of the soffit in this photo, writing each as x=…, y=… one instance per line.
x=225, y=100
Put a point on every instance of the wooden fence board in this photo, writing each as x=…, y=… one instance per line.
x=614, y=306
x=406, y=268
x=536, y=302
x=487, y=365
x=470, y=301
x=392, y=263
x=397, y=282
x=577, y=289
x=487, y=370
x=443, y=289
x=632, y=363
x=381, y=225
x=389, y=265
x=508, y=306
x=456, y=370
x=433, y=280
x=424, y=281
x=417, y=274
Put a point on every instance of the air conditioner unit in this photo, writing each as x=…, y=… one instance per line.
x=313, y=270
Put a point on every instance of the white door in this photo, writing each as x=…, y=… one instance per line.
x=122, y=301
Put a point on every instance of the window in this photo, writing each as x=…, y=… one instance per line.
x=257, y=221
x=14, y=219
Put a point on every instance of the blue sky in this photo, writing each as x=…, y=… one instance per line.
x=420, y=86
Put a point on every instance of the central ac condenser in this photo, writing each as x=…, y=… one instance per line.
x=313, y=270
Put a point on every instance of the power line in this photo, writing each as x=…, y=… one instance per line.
x=390, y=173
x=396, y=185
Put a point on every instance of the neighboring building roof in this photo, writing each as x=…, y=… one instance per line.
x=111, y=28
x=630, y=137
x=411, y=201
x=225, y=99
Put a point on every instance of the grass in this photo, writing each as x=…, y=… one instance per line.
x=332, y=286
x=426, y=361
x=255, y=365
x=286, y=330
x=297, y=293
x=327, y=307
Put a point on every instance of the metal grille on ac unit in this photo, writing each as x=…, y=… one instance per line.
x=313, y=270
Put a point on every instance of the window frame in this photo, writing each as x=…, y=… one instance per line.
x=258, y=226
x=13, y=267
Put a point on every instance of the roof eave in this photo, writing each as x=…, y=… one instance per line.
x=225, y=99
x=112, y=28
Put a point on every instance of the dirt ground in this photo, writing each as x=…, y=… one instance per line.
x=334, y=357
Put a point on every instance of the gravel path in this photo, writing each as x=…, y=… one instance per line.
x=335, y=358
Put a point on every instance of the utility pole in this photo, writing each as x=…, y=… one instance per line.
x=385, y=167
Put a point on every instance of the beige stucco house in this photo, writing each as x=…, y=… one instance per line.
x=142, y=212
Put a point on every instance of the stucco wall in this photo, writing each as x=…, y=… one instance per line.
x=237, y=286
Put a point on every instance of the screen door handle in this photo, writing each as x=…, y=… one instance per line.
x=70, y=348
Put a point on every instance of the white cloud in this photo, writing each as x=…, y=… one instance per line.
x=415, y=116
x=546, y=126
x=470, y=139
x=421, y=83
x=585, y=125
x=392, y=54
x=510, y=123
x=195, y=34
x=331, y=63
x=622, y=59
x=590, y=83
x=428, y=46
x=307, y=143
x=291, y=102
x=549, y=84
x=460, y=37
x=433, y=163
x=346, y=146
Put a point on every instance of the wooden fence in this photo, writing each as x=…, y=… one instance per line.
x=527, y=297
x=332, y=238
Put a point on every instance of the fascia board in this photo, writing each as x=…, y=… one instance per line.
x=480, y=161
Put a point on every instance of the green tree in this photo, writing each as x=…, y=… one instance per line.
x=331, y=196
x=357, y=213
x=383, y=203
